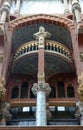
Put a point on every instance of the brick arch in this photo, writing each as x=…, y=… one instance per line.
x=58, y=20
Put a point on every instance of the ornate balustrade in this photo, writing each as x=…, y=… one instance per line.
x=50, y=46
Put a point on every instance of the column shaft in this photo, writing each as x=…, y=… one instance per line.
x=5, y=11
x=76, y=10
x=17, y=8
x=3, y=16
x=41, y=109
x=66, y=6
x=77, y=14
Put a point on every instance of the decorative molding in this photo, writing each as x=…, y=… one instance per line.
x=2, y=88
x=80, y=87
x=41, y=86
x=42, y=128
x=32, y=102
x=81, y=56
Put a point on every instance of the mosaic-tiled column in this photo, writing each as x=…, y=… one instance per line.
x=17, y=8
x=76, y=9
x=41, y=89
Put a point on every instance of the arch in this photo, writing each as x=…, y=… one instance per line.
x=58, y=20
x=24, y=90
x=70, y=91
x=15, y=92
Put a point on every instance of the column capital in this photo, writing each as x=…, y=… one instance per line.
x=5, y=7
x=75, y=5
x=5, y=106
x=41, y=86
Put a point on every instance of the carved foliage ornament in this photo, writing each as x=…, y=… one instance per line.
x=2, y=89
x=41, y=86
x=80, y=87
x=81, y=56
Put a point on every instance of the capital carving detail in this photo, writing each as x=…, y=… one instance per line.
x=80, y=87
x=5, y=111
x=6, y=7
x=41, y=86
x=76, y=5
x=2, y=88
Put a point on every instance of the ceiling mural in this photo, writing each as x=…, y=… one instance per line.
x=25, y=34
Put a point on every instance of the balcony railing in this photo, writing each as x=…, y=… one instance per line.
x=50, y=46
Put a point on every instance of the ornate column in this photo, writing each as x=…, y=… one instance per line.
x=66, y=6
x=41, y=36
x=17, y=8
x=41, y=89
x=5, y=11
x=76, y=9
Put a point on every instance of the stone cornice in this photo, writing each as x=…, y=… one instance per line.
x=32, y=102
x=43, y=128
